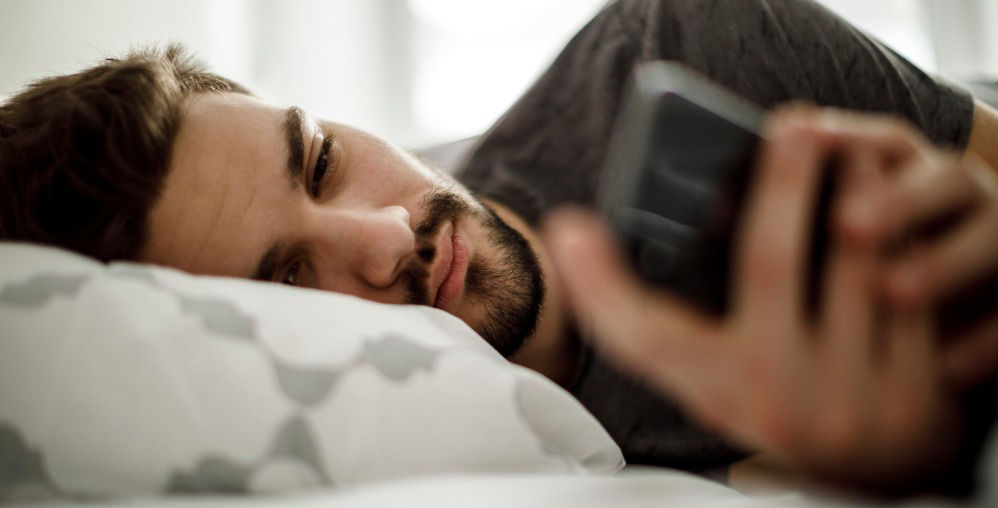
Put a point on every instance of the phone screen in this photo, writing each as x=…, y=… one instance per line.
x=675, y=177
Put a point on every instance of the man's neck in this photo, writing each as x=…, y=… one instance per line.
x=552, y=350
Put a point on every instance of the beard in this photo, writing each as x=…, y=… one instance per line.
x=510, y=289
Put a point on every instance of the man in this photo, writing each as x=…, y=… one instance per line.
x=151, y=158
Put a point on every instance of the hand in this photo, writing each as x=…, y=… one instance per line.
x=855, y=395
x=929, y=188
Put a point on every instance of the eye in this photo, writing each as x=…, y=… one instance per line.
x=292, y=275
x=321, y=166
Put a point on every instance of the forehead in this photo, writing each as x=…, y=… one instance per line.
x=226, y=188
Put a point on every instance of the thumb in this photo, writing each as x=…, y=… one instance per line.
x=588, y=262
x=643, y=329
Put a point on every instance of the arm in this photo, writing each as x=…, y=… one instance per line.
x=984, y=134
x=856, y=395
x=957, y=259
x=550, y=146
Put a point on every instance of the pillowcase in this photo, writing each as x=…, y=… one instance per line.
x=133, y=379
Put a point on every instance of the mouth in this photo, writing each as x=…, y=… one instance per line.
x=448, y=275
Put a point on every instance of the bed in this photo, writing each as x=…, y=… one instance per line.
x=127, y=383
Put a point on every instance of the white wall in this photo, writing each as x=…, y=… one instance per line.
x=44, y=37
x=338, y=59
x=352, y=61
x=344, y=60
x=974, y=53
x=473, y=59
x=904, y=25
x=956, y=38
x=413, y=71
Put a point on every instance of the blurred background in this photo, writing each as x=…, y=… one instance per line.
x=417, y=72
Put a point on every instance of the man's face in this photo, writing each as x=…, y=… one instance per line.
x=261, y=192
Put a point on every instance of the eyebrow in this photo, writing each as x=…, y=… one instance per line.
x=294, y=121
x=293, y=124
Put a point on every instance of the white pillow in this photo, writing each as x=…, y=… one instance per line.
x=128, y=379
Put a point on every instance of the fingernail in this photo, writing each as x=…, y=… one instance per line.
x=563, y=241
x=567, y=238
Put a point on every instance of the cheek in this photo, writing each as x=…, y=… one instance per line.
x=389, y=179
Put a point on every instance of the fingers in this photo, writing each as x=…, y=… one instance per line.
x=928, y=189
x=848, y=311
x=910, y=373
x=966, y=251
x=646, y=331
x=877, y=146
x=895, y=142
x=774, y=235
x=910, y=349
x=854, y=219
x=935, y=271
x=848, y=322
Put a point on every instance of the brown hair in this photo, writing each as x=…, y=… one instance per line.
x=83, y=156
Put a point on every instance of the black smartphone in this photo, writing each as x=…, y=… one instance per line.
x=675, y=177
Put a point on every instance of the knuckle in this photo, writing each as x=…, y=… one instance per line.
x=794, y=112
x=786, y=135
x=901, y=128
x=900, y=132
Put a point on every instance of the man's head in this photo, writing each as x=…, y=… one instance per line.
x=83, y=156
x=151, y=158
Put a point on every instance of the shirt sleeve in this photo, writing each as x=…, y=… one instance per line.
x=548, y=148
x=775, y=51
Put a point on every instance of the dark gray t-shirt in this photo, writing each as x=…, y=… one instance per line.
x=548, y=148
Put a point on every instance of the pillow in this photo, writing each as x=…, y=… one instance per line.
x=132, y=379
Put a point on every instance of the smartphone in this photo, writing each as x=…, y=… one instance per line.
x=675, y=178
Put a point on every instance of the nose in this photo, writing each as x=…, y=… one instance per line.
x=374, y=244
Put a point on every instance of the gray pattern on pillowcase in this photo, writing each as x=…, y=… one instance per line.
x=220, y=316
x=397, y=357
x=306, y=385
x=394, y=356
x=212, y=474
x=295, y=439
x=38, y=290
x=217, y=474
x=292, y=452
x=22, y=468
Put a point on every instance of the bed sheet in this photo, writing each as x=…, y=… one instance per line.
x=632, y=488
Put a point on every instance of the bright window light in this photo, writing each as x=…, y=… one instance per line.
x=473, y=59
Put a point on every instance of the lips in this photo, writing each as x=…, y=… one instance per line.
x=447, y=276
